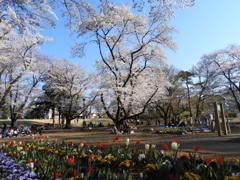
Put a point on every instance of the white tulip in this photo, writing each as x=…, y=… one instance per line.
x=174, y=146
x=147, y=147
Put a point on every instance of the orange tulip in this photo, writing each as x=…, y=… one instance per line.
x=70, y=161
x=196, y=148
x=165, y=146
x=91, y=156
x=219, y=160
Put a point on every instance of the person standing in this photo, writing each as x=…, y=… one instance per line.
x=4, y=127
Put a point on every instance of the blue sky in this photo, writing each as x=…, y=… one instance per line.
x=207, y=26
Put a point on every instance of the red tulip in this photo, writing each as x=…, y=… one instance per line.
x=38, y=162
x=219, y=160
x=165, y=146
x=56, y=175
x=11, y=144
x=169, y=177
x=138, y=142
x=184, y=157
x=89, y=169
x=115, y=139
x=196, y=148
x=74, y=172
x=149, y=155
x=28, y=161
x=100, y=146
x=208, y=160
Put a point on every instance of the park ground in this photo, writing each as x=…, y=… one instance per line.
x=211, y=144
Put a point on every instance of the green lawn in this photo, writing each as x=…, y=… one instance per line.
x=21, y=122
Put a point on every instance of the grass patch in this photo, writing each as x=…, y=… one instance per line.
x=29, y=122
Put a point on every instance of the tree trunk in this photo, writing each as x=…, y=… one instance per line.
x=189, y=101
x=13, y=121
x=118, y=123
x=63, y=119
x=53, y=114
x=68, y=123
x=165, y=117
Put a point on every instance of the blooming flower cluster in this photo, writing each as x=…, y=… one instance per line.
x=184, y=130
x=11, y=170
x=66, y=160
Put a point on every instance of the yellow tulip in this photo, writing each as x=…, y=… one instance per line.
x=127, y=142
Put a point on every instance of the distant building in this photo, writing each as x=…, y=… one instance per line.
x=89, y=116
x=48, y=115
x=93, y=115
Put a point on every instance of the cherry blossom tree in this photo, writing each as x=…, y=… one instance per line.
x=26, y=15
x=20, y=24
x=131, y=40
x=206, y=85
x=27, y=88
x=17, y=57
x=69, y=84
x=226, y=63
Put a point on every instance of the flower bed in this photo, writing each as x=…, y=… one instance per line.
x=11, y=170
x=183, y=130
x=44, y=159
